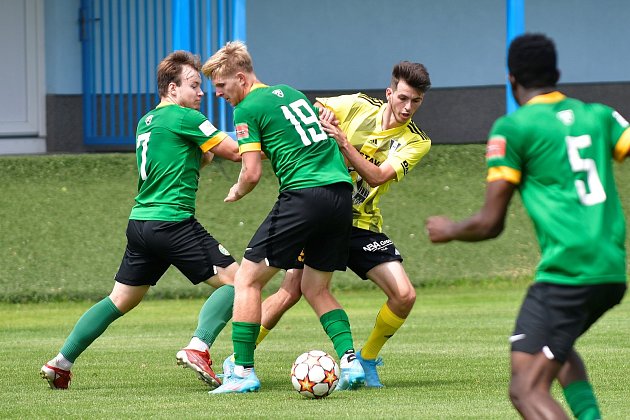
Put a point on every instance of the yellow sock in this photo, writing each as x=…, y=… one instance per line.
x=387, y=323
x=262, y=334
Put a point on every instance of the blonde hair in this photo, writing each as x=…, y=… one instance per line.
x=230, y=59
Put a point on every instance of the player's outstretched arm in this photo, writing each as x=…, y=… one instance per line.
x=486, y=224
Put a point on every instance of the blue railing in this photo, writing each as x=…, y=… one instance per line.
x=124, y=40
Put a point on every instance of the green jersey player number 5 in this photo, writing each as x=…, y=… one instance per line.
x=578, y=164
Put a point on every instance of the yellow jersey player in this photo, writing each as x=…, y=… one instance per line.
x=381, y=145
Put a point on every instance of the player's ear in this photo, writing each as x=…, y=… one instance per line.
x=172, y=88
x=388, y=92
x=240, y=76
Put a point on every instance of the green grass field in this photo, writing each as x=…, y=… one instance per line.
x=62, y=223
x=450, y=360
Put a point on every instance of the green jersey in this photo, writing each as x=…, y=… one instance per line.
x=559, y=152
x=281, y=122
x=170, y=142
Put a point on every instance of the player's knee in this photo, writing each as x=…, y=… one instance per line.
x=519, y=390
x=292, y=298
x=312, y=291
x=403, y=301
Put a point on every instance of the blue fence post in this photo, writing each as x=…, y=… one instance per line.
x=239, y=20
x=515, y=27
x=182, y=34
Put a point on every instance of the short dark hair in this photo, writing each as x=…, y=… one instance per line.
x=532, y=60
x=414, y=74
x=170, y=69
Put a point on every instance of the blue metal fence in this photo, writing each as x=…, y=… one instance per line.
x=122, y=43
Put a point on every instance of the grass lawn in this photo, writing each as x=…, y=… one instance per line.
x=450, y=360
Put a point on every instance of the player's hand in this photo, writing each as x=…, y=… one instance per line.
x=335, y=132
x=233, y=195
x=328, y=116
x=206, y=158
x=439, y=229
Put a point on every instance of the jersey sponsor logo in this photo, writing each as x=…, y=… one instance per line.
x=148, y=119
x=242, y=131
x=279, y=93
x=496, y=147
x=378, y=245
x=371, y=159
x=405, y=166
x=566, y=117
x=621, y=120
x=207, y=128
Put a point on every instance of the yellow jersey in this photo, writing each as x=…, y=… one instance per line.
x=360, y=117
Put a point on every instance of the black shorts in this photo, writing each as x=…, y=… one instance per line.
x=316, y=220
x=553, y=317
x=367, y=250
x=153, y=246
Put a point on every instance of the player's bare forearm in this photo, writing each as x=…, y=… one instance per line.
x=248, y=178
x=441, y=229
x=486, y=224
x=241, y=188
x=371, y=173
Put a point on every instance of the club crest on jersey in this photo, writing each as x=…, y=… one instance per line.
x=393, y=145
x=496, y=147
x=279, y=93
x=242, y=131
x=566, y=117
x=148, y=119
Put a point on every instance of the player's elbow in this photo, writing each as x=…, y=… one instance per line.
x=491, y=230
x=251, y=176
x=374, y=180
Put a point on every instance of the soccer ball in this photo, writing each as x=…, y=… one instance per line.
x=315, y=374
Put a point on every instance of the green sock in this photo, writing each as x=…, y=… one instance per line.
x=581, y=399
x=244, y=338
x=89, y=327
x=337, y=326
x=214, y=314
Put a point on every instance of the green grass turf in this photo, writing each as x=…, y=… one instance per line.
x=450, y=360
x=63, y=219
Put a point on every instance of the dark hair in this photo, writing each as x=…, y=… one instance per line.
x=170, y=69
x=414, y=74
x=532, y=60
